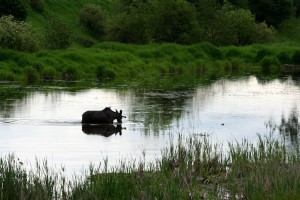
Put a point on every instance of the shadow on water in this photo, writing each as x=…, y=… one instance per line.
x=289, y=127
x=105, y=130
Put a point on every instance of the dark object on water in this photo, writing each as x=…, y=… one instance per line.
x=102, y=129
x=291, y=68
x=105, y=116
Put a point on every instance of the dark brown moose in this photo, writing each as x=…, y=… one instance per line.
x=105, y=116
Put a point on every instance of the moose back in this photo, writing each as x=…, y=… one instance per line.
x=105, y=116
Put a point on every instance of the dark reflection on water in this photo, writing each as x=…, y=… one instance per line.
x=290, y=127
x=106, y=130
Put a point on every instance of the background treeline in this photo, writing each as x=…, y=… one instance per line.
x=56, y=24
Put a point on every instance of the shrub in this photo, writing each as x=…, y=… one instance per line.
x=284, y=57
x=232, y=52
x=17, y=35
x=236, y=26
x=173, y=21
x=31, y=74
x=70, y=73
x=37, y=5
x=270, y=64
x=212, y=50
x=129, y=27
x=6, y=75
x=16, y=8
x=92, y=17
x=105, y=71
x=262, y=53
x=264, y=34
x=57, y=34
x=48, y=74
x=296, y=57
x=272, y=11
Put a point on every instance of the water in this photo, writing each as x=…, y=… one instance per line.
x=44, y=123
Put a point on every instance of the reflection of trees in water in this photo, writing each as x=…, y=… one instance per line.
x=290, y=127
x=282, y=78
x=12, y=95
x=8, y=97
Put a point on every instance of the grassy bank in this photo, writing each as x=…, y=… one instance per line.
x=124, y=61
x=193, y=168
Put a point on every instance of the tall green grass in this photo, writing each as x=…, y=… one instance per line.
x=191, y=168
x=110, y=60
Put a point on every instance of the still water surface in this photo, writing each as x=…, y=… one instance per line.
x=45, y=123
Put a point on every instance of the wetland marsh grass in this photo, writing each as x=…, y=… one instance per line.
x=191, y=168
x=110, y=60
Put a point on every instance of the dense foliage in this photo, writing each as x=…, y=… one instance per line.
x=219, y=22
x=16, y=8
x=57, y=34
x=93, y=18
x=186, y=22
x=17, y=35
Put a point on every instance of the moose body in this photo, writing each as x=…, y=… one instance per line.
x=105, y=116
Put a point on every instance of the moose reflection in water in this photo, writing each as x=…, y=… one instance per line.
x=105, y=116
x=102, y=129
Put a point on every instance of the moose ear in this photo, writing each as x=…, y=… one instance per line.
x=116, y=111
x=121, y=112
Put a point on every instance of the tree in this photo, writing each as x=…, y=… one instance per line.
x=16, y=8
x=17, y=35
x=273, y=12
x=57, y=34
x=130, y=23
x=93, y=18
x=174, y=21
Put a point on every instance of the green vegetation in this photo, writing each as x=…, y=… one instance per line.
x=109, y=60
x=73, y=41
x=193, y=168
x=181, y=21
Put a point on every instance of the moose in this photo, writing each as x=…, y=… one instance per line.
x=105, y=130
x=105, y=116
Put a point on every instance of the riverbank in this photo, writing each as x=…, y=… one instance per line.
x=192, y=168
x=107, y=61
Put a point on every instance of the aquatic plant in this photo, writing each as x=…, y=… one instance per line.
x=190, y=167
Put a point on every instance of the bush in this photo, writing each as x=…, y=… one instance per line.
x=264, y=34
x=272, y=11
x=232, y=52
x=6, y=75
x=212, y=50
x=57, y=34
x=284, y=57
x=17, y=35
x=31, y=74
x=237, y=26
x=37, y=5
x=129, y=27
x=173, y=21
x=262, y=53
x=296, y=57
x=270, y=64
x=92, y=17
x=70, y=73
x=16, y=8
x=48, y=74
x=105, y=71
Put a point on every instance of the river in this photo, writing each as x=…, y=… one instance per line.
x=44, y=122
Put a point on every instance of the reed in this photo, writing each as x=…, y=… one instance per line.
x=191, y=167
